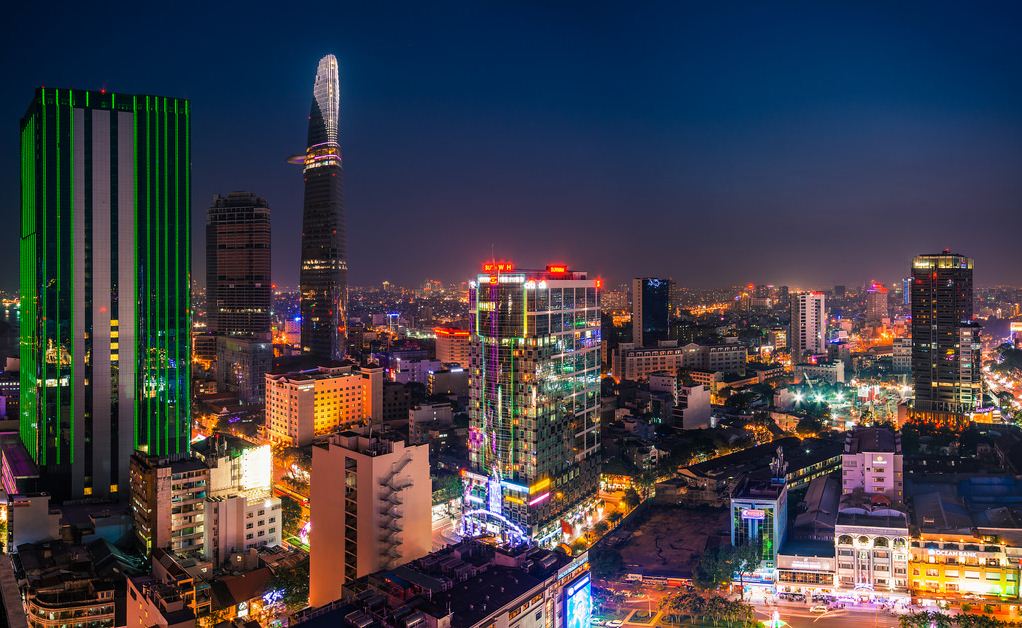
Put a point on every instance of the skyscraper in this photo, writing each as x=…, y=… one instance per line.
x=808, y=325
x=651, y=310
x=238, y=292
x=876, y=303
x=105, y=284
x=324, y=272
x=945, y=339
x=533, y=403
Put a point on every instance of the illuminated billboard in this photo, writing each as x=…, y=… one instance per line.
x=578, y=603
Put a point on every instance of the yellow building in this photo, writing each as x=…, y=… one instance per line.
x=306, y=404
x=952, y=566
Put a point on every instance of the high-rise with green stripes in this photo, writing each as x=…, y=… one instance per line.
x=105, y=285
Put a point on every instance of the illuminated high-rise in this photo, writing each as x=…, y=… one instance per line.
x=876, y=303
x=651, y=310
x=105, y=285
x=324, y=272
x=533, y=403
x=945, y=340
x=808, y=328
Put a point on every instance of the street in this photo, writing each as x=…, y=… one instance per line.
x=798, y=616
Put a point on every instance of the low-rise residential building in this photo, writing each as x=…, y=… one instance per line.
x=167, y=501
x=61, y=586
x=832, y=372
x=469, y=585
x=426, y=418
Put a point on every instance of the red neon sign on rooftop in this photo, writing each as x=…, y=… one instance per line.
x=450, y=332
x=499, y=267
x=557, y=269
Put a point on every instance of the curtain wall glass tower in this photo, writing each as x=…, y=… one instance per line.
x=324, y=272
x=105, y=284
x=533, y=404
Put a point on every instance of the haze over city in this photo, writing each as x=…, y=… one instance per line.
x=803, y=144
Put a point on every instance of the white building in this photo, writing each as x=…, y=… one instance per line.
x=371, y=501
x=830, y=372
x=872, y=461
x=240, y=512
x=406, y=371
x=872, y=551
x=808, y=327
x=692, y=408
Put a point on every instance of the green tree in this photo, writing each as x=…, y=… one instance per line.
x=808, y=426
x=601, y=527
x=293, y=583
x=631, y=498
x=605, y=562
x=719, y=567
x=290, y=515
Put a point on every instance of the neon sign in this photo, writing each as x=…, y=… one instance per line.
x=753, y=513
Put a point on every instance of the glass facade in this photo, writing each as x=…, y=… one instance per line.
x=324, y=272
x=105, y=284
x=534, y=397
x=945, y=341
x=653, y=311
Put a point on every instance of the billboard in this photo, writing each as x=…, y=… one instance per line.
x=578, y=603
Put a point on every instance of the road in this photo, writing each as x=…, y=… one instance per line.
x=800, y=617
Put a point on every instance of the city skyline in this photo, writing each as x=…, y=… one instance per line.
x=879, y=137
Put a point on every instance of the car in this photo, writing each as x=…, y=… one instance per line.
x=595, y=621
x=819, y=608
x=614, y=623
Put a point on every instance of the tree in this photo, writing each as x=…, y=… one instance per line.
x=615, y=517
x=290, y=515
x=808, y=426
x=605, y=563
x=601, y=527
x=293, y=585
x=580, y=545
x=719, y=567
x=631, y=498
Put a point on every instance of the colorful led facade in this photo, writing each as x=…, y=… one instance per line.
x=324, y=272
x=533, y=403
x=105, y=284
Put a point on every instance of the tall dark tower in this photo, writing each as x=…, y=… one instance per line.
x=324, y=273
x=945, y=340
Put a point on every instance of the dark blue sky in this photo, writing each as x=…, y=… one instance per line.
x=802, y=143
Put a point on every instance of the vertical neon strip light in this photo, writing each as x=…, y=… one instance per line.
x=134, y=283
x=71, y=241
x=166, y=283
x=188, y=277
x=57, y=310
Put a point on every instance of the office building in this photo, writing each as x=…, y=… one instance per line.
x=759, y=515
x=876, y=304
x=808, y=328
x=371, y=499
x=690, y=401
x=452, y=345
x=238, y=292
x=167, y=500
x=241, y=366
x=651, y=310
x=945, y=340
x=638, y=363
x=427, y=418
x=105, y=292
x=323, y=277
x=534, y=403
x=238, y=288
x=872, y=461
x=304, y=404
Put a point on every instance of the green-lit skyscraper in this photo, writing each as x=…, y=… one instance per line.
x=105, y=285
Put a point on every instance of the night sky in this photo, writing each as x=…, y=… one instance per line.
x=775, y=142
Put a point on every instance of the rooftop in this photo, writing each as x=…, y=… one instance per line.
x=872, y=440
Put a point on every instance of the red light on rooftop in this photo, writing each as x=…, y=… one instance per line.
x=557, y=269
x=599, y=284
x=450, y=332
x=499, y=267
